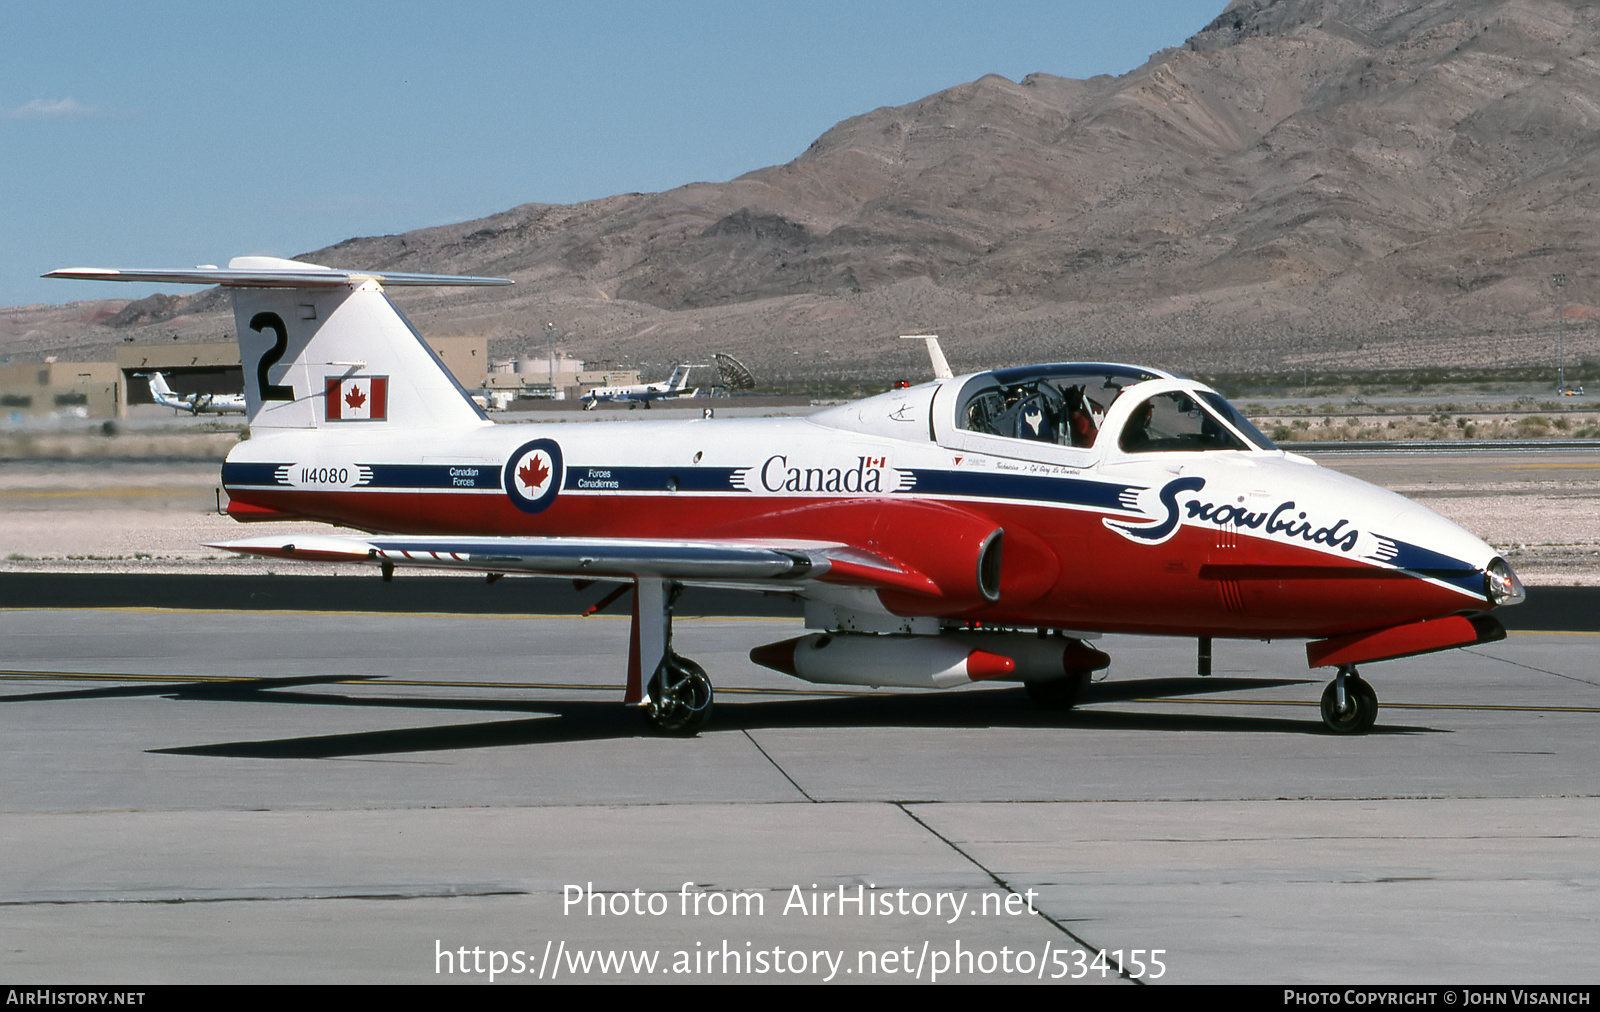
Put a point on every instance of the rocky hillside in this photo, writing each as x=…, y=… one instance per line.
x=1303, y=183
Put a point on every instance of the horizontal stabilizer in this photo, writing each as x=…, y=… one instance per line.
x=271, y=272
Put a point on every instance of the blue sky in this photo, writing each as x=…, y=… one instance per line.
x=160, y=134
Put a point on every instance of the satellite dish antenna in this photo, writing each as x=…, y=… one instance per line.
x=732, y=374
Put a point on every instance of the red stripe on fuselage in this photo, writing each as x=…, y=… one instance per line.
x=1108, y=582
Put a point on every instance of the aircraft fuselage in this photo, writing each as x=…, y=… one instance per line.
x=1243, y=543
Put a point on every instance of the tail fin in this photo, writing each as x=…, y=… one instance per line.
x=316, y=357
x=679, y=378
x=158, y=387
x=323, y=347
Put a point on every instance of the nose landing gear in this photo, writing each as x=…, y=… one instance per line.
x=1349, y=705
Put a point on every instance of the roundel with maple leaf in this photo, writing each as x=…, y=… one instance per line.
x=533, y=475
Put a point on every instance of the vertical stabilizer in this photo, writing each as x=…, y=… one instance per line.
x=679, y=378
x=319, y=357
x=158, y=386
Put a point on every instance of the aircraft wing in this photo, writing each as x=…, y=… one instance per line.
x=755, y=563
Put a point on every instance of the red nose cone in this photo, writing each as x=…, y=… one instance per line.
x=982, y=665
x=777, y=656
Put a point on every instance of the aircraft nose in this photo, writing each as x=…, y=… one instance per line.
x=1500, y=584
x=1413, y=537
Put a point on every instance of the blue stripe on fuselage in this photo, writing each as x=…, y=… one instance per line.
x=650, y=479
x=929, y=482
x=1032, y=488
x=1435, y=566
x=433, y=476
x=237, y=474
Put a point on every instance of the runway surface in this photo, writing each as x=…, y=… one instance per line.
x=281, y=795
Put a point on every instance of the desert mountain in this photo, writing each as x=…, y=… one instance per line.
x=1303, y=183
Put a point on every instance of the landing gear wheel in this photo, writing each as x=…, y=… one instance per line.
x=1057, y=693
x=680, y=696
x=1360, y=706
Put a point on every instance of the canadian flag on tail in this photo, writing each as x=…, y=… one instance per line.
x=358, y=398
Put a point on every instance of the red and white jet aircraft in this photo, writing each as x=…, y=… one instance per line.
x=978, y=527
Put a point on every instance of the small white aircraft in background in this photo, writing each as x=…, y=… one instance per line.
x=675, y=385
x=195, y=404
x=974, y=528
x=493, y=400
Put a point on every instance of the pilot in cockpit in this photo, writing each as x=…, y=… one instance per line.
x=1081, y=429
x=1044, y=409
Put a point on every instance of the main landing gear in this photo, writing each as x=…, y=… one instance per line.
x=678, y=698
x=1349, y=706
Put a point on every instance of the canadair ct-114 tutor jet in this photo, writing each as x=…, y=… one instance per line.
x=975, y=528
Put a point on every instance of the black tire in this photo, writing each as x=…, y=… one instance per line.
x=680, y=697
x=1362, y=712
x=1057, y=693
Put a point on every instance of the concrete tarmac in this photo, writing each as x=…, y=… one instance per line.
x=195, y=796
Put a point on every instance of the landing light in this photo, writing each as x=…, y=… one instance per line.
x=1500, y=584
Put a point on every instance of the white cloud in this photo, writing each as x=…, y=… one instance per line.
x=50, y=108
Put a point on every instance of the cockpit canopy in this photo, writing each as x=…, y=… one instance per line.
x=1176, y=420
x=1068, y=405
x=1061, y=404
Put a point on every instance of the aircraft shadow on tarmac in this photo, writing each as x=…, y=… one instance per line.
x=559, y=721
